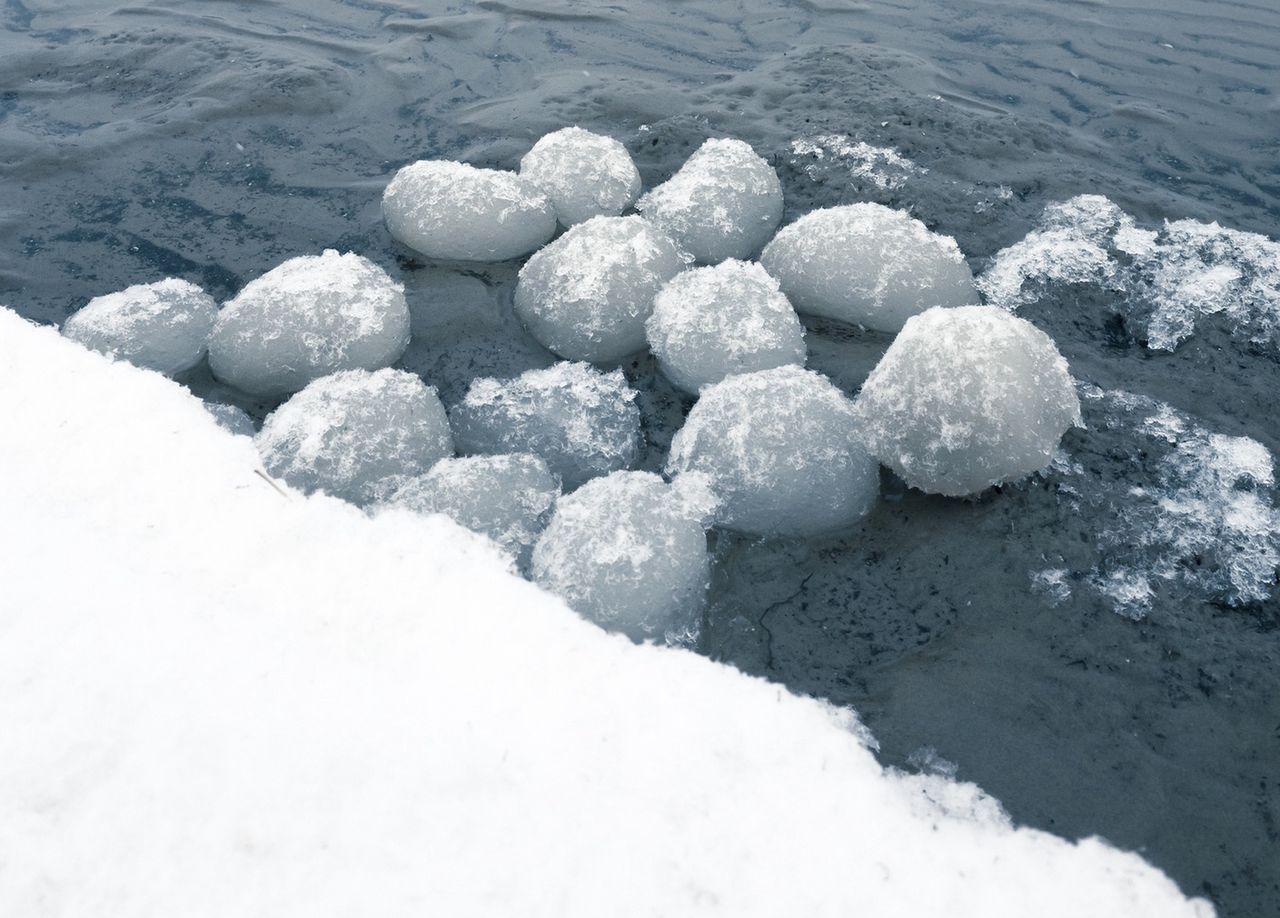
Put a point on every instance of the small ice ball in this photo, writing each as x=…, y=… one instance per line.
x=966, y=398
x=725, y=202
x=582, y=422
x=347, y=433
x=454, y=211
x=783, y=452
x=586, y=296
x=586, y=175
x=309, y=317
x=869, y=265
x=628, y=552
x=163, y=326
x=709, y=323
x=231, y=419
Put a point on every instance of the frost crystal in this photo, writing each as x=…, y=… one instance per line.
x=883, y=167
x=585, y=175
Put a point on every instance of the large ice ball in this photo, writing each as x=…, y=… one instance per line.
x=586, y=296
x=966, y=398
x=709, y=323
x=456, y=212
x=163, y=326
x=783, y=451
x=348, y=433
x=307, y=318
x=868, y=265
x=724, y=202
x=586, y=175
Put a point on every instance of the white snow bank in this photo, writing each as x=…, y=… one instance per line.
x=221, y=700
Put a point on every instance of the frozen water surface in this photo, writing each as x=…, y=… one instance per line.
x=586, y=175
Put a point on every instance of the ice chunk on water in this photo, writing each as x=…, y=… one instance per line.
x=307, y=318
x=725, y=202
x=581, y=421
x=586, y=296
x=586, y=175
x=869, y=265
x=966, y=398
x=163, y=326
x=231, y=418
x=346, y=433
x=783, y=451
x=627, y=552
x=709, y=323
x=883, y=167
x=454, y=211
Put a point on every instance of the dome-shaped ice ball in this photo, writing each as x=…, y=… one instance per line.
x=586, y=296
x=628, y=552
x=586, y=175
x=163, y=326
x=966, y=398
x=307, y=318
x=709, y=323
x=783, y=452
x=725, y=202
x=456, y=212
x=868, y=265
x=346, y=433
x=582, y=422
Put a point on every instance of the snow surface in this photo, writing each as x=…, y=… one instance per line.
x=586, y=175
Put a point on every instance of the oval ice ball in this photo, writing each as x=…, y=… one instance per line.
x=783, y=452
x=347, y=433
x=586, y=296
x=725, y=202
x=966, y=398
x=868, y=265
x=628, y=552
x=586, y=175
x=307, y=318
x=163, y=326
x=456, y=212
x=582, y=422
x=709, y=323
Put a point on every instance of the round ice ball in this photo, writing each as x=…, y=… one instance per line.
x=628, y=552
x=586, y=175
x=346, y=434
x=582, y=422
x=586, y=296
x=709, y=323
x=231, y=419
x=725, y=202
x=966, y=398
x=783, y=452
x=307, y=318
x=456, y=212
x=868, y=265
x=163, y=326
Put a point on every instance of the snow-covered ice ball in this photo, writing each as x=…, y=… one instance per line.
x=586, y=296
x=629, y=552
x=586, y=175
x=783, y=451
x=709, y=323
x=307, y=318
x=231, y=419
x=868, y=265
x=454, y=211
x=347, y=433
x=966, y=398
x=581, y=421
x=163, y=326
x=724, y=202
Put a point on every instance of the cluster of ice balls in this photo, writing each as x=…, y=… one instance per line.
x=965, y=397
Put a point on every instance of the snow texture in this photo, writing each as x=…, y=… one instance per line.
x=586, y=175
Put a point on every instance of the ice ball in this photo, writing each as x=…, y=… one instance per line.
x=586, y=175
x=586, y=296
x=709, y=323
x=307, y=318
x=454, y=211
x=966, y=398
x=163, y=326
x=869, y=265
x=725, y=202
x=231, y=419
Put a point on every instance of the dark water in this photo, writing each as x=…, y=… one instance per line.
x=211, y=140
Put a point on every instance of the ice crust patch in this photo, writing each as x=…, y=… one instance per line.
x=883, y=167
